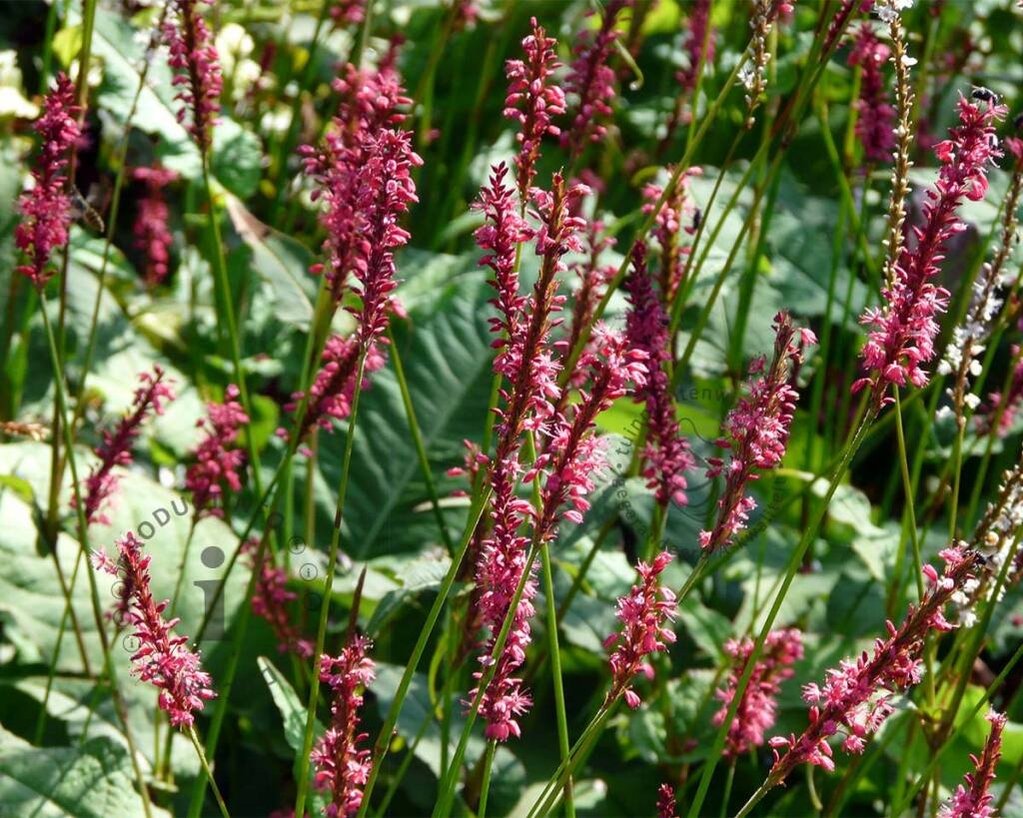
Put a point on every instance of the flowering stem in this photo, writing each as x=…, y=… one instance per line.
x=446, y=791
x=206, y=769
x=795, y=562
x=220, y=271
x=97, y=611
x=963, y=720
x=383, y=741
x=321, y=631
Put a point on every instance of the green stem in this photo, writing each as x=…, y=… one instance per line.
x=321, y=631
x=417, y=439
x=380, y=748
x=97, y=609
x=795, y=562
x=206, y=769
x=488, y=766
x=554, y=652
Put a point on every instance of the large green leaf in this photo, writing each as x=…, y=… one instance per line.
x=30, y=594
x=92, y=780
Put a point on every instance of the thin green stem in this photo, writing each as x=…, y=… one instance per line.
x=209, y=774
x=380, y=748
x=554, y=652
x=321, y=631
x=488, y=766
x=417, y=439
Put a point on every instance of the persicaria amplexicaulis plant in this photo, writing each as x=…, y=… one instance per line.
x=193, y=56
x=46, y=208
x=757, y=431
x=583, y=251
x=115, y=450
x=646, y=614
x=342, y=766
x=162, y=659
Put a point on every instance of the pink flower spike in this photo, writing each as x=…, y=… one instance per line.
x=875, y=126
x=905, y=327
x=666, y=455
x=591, y=81
x=115, y=450
x=342, y=767
x=330, y=397
x=668, y=229
x=533, y=100
x=196, y=65
x=645, y=613
x=527, y=363
x=699, y=44
x=152, y=233
x=371, y=101
x=217, y=457
x=500, y=236
x=46, y=208
x=667, y=806
x=757, y=431
x=574, y=456
x=270, y=600
x=759, y=706
x=856, y=698
x=162, y=659
x=973, y=798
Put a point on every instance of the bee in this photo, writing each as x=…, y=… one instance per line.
x=83, y=210
x=697, y=218
x=985, y=95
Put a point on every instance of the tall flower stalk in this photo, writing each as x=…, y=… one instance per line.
x=759, y=705
x=646, y=614
x=973, y=798
x=162, y=658
x=904, y=328
x=115, y=449
x=666, y=454
x=342, y=767
x=857, y=697
x=757, y=431
x=533, y=100
x=46, y=207
x=591, y=83
x=526, y=360
x=196, y=65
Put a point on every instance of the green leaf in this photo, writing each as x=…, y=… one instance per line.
x=292, y=709
x=93, y=780
x=422, y=575
x=280, y=262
